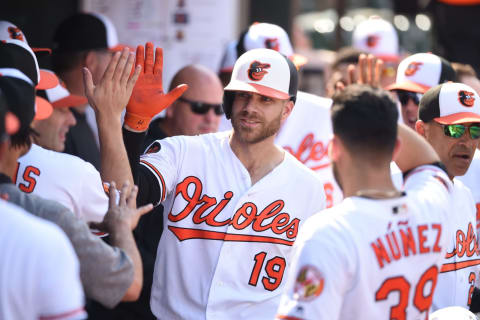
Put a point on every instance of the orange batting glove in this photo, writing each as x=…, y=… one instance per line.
x=148, y=98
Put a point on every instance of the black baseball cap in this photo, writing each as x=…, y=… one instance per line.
x=450, y=103
x=16, y=54
x=86, y=31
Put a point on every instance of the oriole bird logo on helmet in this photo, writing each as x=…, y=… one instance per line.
x=257, y=71
x=466, y=98
x=412, y=68
x=272, y=43
x=15, y=33
x=372, y=41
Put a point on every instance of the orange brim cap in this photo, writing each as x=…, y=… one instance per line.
x=457, y=118
x=43, y=108
x=298, y=60
x=42, y=51
x=12, y=124
x=48, y=80
x=70, y=101
x=408, y=86
x=236, y=85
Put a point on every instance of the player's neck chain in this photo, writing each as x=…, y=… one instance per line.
x=379, y=194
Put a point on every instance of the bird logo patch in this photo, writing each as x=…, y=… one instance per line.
x=15, y=33
x=412, y=68
x=272, y=43
x=309, y=283
x=466, y=98
x=372, y=41
x=257, y=71
x=154, y=148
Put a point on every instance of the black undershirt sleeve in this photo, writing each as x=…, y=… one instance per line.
x=475, y=304
x=148, y=187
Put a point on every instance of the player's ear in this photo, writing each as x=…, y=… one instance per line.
x=396, y=149
x=287, y=110
x=420, y=127
x=334, y=148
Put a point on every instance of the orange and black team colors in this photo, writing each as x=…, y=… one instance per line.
x=228, y=241
x=372, y=259
x=460, y=269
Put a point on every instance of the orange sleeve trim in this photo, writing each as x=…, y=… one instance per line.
x=160, y=177
x=459, y=265
x=63, y=315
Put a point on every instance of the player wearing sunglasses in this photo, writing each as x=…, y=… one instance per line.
x=449, y=118
x=415, y=75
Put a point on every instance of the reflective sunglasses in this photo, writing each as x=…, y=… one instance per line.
x=458, y=130
x=203, y=108
x=404, y=96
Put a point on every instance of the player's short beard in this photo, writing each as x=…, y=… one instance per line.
x=265, y=131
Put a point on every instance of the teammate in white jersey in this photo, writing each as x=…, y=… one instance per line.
x=449, y=118
x=39, y=273
x=235, y=201
x=307, y=131
x=377, y=254
x=52, y=175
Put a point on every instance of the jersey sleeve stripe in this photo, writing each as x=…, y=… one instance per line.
x=438, y=177
x=459, y=265
x=66, y=315
x=159, y=176
x=283, y=317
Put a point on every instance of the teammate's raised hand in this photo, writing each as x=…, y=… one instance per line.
x=110, y=96
x=367, y=71
x=148, y=98
x=125, y=213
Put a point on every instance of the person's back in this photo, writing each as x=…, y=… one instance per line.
x=39, y=273
x=377, y=254
x=375, y=257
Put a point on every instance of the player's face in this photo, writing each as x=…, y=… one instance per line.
x=53, y=130
x=409, y=106
x=455, y=153
x=256, y=117
x=197, y=111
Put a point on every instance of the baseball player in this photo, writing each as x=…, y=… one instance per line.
x=307, y=131
x=377, y=254
x=449, y=118
x=235, y=201
x=39, y=273
x=56, y=176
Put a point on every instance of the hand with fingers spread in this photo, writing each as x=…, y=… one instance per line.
x=125, y=213
x=109, y=97
x=368, y=71
x=148, y=98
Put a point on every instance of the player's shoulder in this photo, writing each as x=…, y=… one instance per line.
x=312, y=101
x=18, y=221
x=301, y=170
x=54, y=159
x=197, y=141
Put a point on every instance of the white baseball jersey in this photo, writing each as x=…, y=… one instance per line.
x=39, y=272
x=372, y=259
x=460, y=268
x=226, y=243
x=306, y=134
x=471, y=180
x=64, y=178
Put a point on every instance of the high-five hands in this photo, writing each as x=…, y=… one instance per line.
x=109, y=97
x=368, y=71
x=148, y=98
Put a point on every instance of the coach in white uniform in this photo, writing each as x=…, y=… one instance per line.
x=235, y=201
x=449, y=118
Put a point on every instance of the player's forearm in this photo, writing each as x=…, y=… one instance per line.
x=114, y=160
x=122, y=237
x=414, y=150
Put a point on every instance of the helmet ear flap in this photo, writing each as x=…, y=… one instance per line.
x=228, y=97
